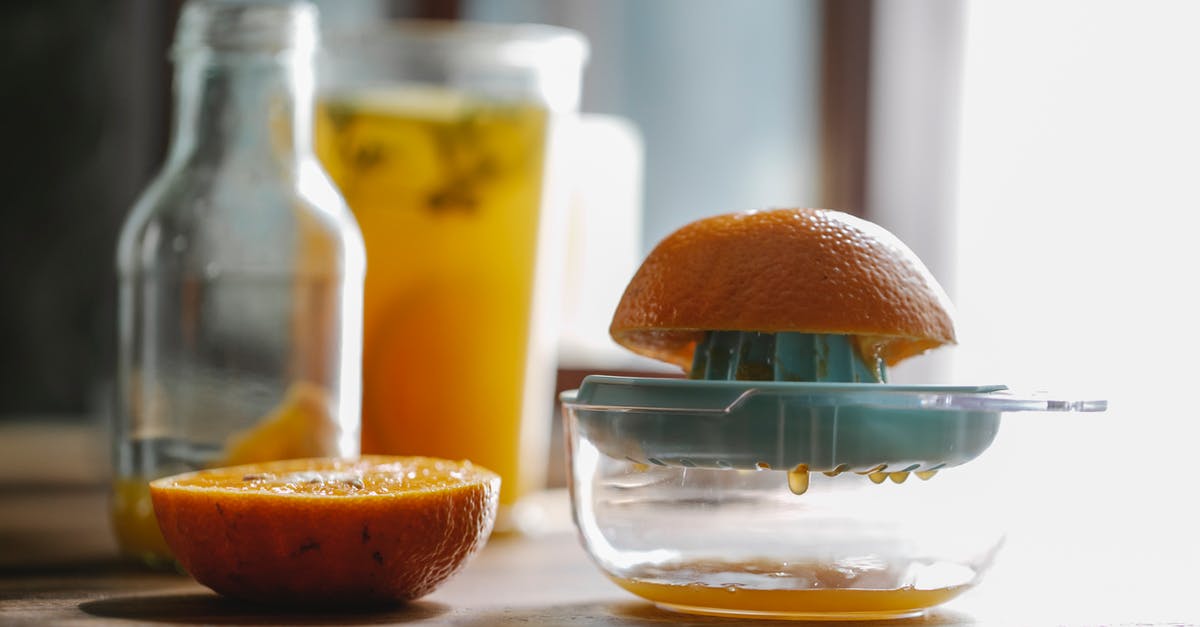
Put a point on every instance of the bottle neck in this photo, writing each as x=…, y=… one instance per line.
x=243, y=107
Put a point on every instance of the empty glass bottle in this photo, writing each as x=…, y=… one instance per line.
x=240, y=271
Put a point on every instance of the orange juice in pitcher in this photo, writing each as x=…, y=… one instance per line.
x=444, y=139
x=447, y=191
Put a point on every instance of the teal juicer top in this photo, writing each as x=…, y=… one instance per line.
x=795, y=402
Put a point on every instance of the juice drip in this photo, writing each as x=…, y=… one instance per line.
x=848, y=589
x=798, y=479
x=836, y=471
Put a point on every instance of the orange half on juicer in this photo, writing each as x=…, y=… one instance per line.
x=752, y=489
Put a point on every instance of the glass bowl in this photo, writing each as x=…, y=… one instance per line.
x=695, y=495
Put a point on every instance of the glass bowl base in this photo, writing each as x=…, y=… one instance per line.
x=798, y=616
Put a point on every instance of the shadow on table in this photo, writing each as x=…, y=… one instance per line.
x=641, y=614
x=210, y=609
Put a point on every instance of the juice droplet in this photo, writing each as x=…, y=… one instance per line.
x=762, y=466
x=879, y=468
x=898, y=477
x=877, y=477
x=798, y=479
x=836, y=471
x=926, y=475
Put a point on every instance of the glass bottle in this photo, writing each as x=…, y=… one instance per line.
x=240, y=271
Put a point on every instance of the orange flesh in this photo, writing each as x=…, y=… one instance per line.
x=340, y=479
x=327, y=532
x=446, y=191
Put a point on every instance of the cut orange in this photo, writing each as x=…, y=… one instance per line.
x=325, y=531
x=782, y=270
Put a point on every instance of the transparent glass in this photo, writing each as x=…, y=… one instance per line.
x=447, y=140
x=240, y=271
x=765, y=542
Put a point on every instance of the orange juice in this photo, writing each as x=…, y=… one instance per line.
x=447, y=192
x=134, y=523
x=791, y=590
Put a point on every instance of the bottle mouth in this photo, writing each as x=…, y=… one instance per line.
x=246, y=27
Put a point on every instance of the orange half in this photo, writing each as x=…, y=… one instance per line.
x=782, y=270
x=325, y=531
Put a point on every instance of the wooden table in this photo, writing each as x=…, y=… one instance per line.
x=1093, y=562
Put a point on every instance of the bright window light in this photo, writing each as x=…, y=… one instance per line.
x=1079, y=200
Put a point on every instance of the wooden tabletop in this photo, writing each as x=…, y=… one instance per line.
x=1083, y=561
x=65, y=572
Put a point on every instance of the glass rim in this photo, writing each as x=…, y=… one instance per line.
x=514, y=39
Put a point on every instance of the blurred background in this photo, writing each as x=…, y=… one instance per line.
x=1047, y=184
x=717, y=107
x=1042, y=157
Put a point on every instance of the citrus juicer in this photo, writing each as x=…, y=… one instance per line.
x=796, y=402
x=788, y=319
x=679, y=492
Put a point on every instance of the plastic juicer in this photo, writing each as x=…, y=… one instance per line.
x=753, y=488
